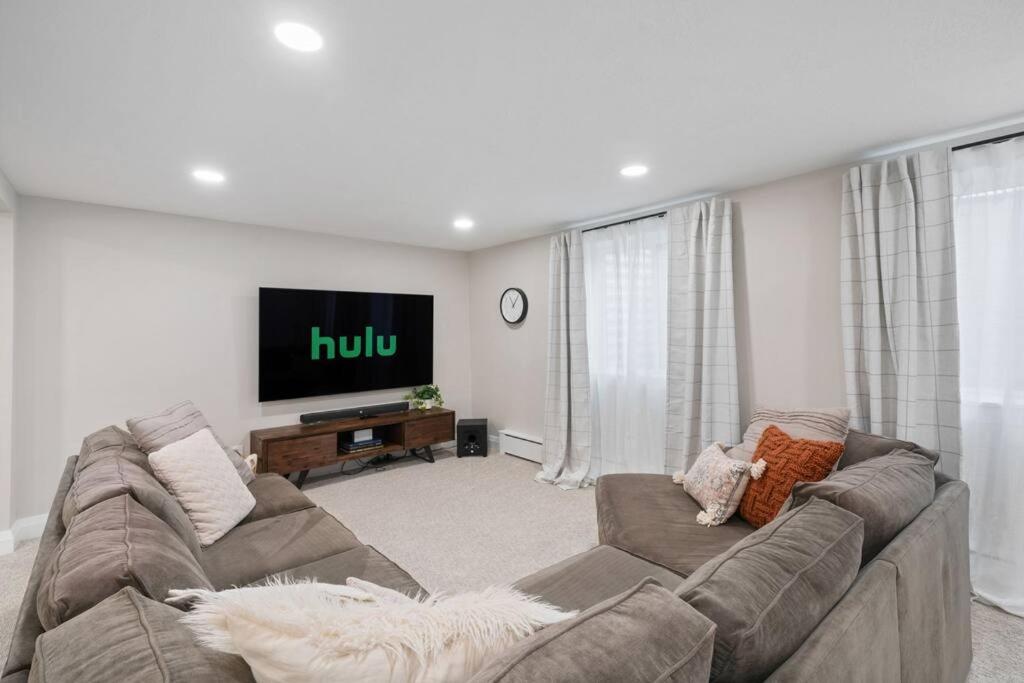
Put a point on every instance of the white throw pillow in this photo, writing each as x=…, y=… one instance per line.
x=362, y=632
x=717, y=483
x=198, y=473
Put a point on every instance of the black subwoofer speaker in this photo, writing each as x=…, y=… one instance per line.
x=471, y=437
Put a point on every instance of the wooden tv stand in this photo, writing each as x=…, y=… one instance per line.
x=302, y=447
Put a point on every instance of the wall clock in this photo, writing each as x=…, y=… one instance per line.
x=513, y=305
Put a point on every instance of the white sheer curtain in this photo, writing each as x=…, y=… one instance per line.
x=989, y=227
x=626, y=275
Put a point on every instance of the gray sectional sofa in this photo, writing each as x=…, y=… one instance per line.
x=661, y=598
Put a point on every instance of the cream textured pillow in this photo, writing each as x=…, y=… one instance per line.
x=829, y=424
x=198, y=473
x=362, y=632
x=717, y=483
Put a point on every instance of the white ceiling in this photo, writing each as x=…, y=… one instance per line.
x=517, y=113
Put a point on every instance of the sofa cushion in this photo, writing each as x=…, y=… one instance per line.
x=252, y=551
x=275, y=496
x=113, y=477
x=363, y=632
x=769, y=591
x=861, y=446
x=643, y=634
x=110, y=442
x=829, y=424
x=583, y=580
x=363, y=562
x=153, y=432
x=789, y=461
x=650, y=517
x=887, y=492
x=205, y=482
x=130, y=638
x=111, y=545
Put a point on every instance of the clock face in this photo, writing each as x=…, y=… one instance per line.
x=513, y=305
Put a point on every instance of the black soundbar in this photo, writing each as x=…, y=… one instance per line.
x=363, y=411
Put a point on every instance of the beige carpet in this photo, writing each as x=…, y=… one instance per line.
x=462, y=523
x=466, y=523
x=14, y=571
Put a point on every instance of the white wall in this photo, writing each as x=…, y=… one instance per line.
x=123, y=312
x=8, y=209
x=788, y=333
x=510, y=362
x=786, y=268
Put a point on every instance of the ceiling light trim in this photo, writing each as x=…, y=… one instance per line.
x=634, y=171
x=208, y=176
x=299, y=37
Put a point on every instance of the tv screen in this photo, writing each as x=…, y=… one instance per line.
x=315, y=343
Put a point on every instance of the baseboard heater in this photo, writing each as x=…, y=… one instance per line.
x=520, y=445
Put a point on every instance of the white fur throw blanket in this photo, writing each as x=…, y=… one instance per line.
x=362, y=632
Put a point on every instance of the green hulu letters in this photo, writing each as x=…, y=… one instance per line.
x=350, y=348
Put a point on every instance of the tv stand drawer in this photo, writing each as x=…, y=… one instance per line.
x=429, y=430
x=295, y=455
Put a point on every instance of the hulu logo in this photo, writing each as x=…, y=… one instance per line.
x=350, y=348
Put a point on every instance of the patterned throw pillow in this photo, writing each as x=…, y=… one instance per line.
x=789, y=461
x=717, y=482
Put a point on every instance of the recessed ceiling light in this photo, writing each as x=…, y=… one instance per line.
x=463, y=223
x=208, y=175
x=634, y=171
x=298, y=37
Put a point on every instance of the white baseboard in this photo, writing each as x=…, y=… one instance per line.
x=24, y=529
x=28, y=528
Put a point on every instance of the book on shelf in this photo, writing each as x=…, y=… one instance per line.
x=357, y=446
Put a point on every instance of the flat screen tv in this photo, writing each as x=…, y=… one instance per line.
x=316, y=343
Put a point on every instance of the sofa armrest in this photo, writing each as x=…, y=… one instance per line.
x=665, y=638
x=933, y=588
x=27, y=627
x=863, y=622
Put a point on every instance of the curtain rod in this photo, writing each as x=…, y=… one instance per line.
x=999, y=138
x=628, y=220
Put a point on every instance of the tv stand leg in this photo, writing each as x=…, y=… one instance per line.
x=426, y=456
x=302, y=478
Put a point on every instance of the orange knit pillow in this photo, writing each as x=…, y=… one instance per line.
x=789, y=460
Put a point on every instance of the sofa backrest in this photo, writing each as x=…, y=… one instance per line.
x=87, y=535
x=112, y=477
x=115, y=543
